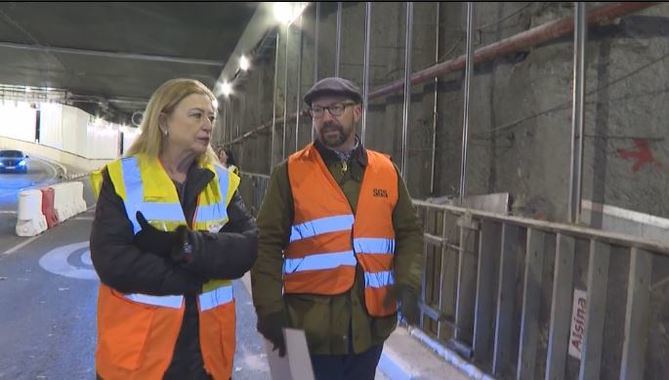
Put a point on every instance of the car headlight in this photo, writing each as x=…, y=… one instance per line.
x=22, y=163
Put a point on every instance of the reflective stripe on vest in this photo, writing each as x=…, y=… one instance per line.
x=172, y=302
x=320, y=226
x=208, y=300
x=374, y=246
x=216, y=297
x=379, y=279
x=319, y=261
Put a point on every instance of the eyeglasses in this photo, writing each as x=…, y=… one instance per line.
x=335, y=110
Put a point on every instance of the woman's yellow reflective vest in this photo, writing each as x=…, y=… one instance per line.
x=137, y=332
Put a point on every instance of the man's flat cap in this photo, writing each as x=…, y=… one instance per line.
x=333, y=86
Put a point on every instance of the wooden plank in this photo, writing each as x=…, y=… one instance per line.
x=637, y=315
x=466, y=285
x=529, y=327
x=563, y=278
x=490, y=242
x=506, y=295
x=598, y=274
x=447, y=282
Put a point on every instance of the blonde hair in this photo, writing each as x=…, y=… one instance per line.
x=164, y=100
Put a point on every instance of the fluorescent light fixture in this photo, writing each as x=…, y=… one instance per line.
x=244, y=63
x=283, y=12
x=286, y=12
x=226, y=88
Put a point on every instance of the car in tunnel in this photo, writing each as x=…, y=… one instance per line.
x=13, y=161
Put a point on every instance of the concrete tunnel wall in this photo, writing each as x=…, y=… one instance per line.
x=520, y=118
x=520, y=121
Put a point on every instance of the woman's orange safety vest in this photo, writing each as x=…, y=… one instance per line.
x=327, y=240
x=137, y=332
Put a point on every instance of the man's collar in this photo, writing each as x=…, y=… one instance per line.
x=328, y=155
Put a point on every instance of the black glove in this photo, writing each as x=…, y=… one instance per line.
x=408, y=300
x=271, y=327
x=151, y=239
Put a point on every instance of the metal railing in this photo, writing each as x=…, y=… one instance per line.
x=498, y=290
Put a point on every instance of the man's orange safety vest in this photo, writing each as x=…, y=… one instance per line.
x=327, y=240
x=137, y=332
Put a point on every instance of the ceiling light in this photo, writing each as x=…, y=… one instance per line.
x=283, y=12
x=244, y=63
x=226, y=88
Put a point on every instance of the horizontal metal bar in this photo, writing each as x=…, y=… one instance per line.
x=437, y=315
x=249, y=174
x=434, y=239
x=569, y=229
x=110, y=54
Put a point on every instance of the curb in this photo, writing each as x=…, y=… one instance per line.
x=407, y=357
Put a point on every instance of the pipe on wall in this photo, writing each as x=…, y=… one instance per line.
x=549, y=31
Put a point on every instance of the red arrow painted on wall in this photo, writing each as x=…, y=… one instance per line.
x=641, y=156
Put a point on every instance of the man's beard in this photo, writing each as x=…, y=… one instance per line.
x=333, y=141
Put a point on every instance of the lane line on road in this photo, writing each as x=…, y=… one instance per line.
x=20, y=245
x=83, y=218
x=10, y=212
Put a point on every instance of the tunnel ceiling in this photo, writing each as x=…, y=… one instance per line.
x=65, y=46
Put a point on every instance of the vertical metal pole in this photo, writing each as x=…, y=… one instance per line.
x=299, y=84
x=338, y=40
x=285, y=95
x=435, y=114
x=224, y=122
x=577, y=118
x=408, y=25
x=317, y=22
x=276, y=84
x=465, y=117
x=365, y=69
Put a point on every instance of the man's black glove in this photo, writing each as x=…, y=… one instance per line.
x=151, y=239
x=271, y=327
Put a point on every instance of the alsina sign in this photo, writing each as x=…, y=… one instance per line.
x=579, y=312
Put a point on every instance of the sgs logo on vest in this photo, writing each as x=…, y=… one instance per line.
x=380, y=193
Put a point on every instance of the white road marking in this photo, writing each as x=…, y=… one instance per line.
x=56, y=261
x=83, y=218
x=20, y=245
x=8, y=212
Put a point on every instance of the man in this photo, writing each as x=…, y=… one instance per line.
x=339, y=243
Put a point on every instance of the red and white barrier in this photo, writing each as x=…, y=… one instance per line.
x=44, y=208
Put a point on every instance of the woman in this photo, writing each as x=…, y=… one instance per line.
x=228, y=160
x=170, y=232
